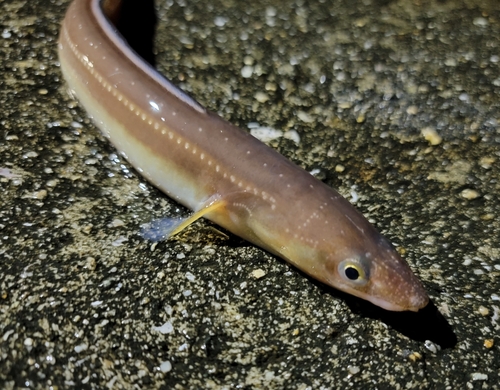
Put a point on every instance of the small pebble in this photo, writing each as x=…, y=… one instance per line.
x=248, y=60
x=477, y=376
x=81, y=348
x=261, y=97
x=292, y=135
x=165, y=366
x=271, y=86
x=432, y=346
x=486, y=162
x=166, y=328
x=431, y=136
x=483, y=311
x=90, y=263
x=412, y=110
x=258, y=273
x=42, y=194
x=488, y=343
x=305, y=117
x=116, y=223
x=415, y=356
x=247, y=71
x=469, y=194
x=266, y=134
x=480, y=22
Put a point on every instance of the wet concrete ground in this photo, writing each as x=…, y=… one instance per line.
x=395, y=103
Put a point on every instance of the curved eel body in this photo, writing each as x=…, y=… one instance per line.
x=222, y=172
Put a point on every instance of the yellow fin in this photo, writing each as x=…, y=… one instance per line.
x=167, y=227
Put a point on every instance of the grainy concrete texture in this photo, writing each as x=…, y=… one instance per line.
x=394, y=102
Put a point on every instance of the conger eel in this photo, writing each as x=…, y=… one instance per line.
x=222, y=172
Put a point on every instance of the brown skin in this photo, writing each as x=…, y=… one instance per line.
x=195, y=157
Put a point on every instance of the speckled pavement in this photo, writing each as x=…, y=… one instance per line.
x=394, y=103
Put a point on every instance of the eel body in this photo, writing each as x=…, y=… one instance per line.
x=222, y=172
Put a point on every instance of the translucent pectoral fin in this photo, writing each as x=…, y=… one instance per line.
x=160, y=229
x=165, y=228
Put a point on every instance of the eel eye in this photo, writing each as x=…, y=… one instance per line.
x=353, y=271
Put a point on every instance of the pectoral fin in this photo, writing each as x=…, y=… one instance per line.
x=165, y=228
